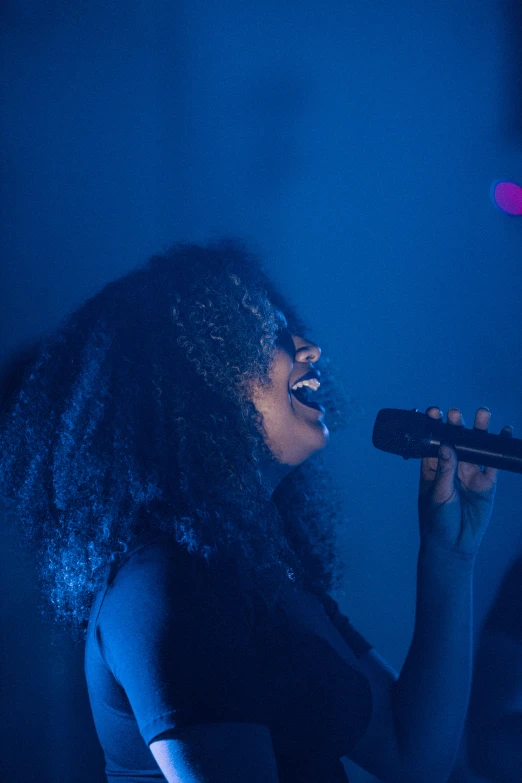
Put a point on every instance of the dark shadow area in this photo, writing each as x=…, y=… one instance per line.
x=512, y=92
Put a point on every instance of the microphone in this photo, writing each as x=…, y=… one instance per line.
x=415, y=434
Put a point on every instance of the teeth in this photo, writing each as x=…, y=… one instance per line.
x=312, y=383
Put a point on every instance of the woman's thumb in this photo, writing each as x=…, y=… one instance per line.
x=445, y=453
x=445, y=473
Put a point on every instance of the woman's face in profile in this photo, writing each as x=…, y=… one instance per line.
x=293, y=422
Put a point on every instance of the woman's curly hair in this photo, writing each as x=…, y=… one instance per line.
x=133, y=418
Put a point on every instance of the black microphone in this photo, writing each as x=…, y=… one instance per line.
x=415, y=434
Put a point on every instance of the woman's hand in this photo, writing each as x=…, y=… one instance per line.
x=456, y=498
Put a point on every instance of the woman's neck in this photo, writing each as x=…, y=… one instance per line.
x=273, y=473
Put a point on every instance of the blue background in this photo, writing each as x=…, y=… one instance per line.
x=353, y=144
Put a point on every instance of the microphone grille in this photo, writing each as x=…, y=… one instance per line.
x=401, y=432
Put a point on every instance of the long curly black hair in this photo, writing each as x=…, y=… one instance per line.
x=132, y=417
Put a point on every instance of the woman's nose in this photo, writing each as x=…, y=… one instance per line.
x=306, y=351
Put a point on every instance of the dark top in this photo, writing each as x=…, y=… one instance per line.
x=173, y=641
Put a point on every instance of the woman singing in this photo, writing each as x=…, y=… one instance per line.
x=160, y=452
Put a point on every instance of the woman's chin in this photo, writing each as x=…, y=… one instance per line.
x=310, y=440
x=325, y=433
x=312, y=417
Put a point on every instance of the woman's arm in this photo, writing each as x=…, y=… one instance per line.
x=418, y=717
x=217, y=753
x=432, y=693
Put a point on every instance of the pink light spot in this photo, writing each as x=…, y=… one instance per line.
x=508, y=197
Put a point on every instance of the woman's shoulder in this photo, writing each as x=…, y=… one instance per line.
x=161, y=572
x=153, y=564
x=161, y=593
x=157, y=584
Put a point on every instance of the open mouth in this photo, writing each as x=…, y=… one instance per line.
x=303, y=394
x=305, y=388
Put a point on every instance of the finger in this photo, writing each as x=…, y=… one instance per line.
x=429, y=464
x=455, y=417
x=444, y=486
x=492, y=473
x=482, y=419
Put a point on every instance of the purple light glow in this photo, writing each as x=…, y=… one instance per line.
x=508, y=197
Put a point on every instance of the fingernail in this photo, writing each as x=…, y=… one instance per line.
x=444, y=452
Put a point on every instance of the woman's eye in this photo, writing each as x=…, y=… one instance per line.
x=285, y=341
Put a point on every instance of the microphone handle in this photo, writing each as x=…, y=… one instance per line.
x=477, y=456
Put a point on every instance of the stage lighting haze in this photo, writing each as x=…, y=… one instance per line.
x=508, y=197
